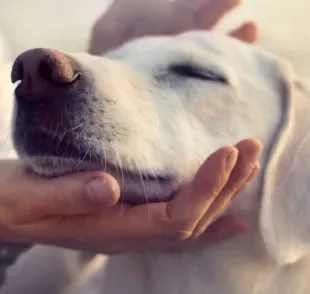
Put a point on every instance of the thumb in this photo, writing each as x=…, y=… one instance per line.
x=32, y=197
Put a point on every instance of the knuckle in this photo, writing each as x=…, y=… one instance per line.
x=205, y=185
x=212, y=188
x=177, y=231
x=179, y=235
x=182, y=235
x=12, y=211
x=59, y=197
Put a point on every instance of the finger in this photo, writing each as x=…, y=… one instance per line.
x=138, y=224
x=245, y=169
x=150, y=222
x=109, y=29
x=224, y=228
x=34, y=197
x=244, y=185
x=247, y=32
x=186, y=209
x=219, y=207
x=211, y=13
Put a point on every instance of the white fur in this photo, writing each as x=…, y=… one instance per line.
x=173, y=124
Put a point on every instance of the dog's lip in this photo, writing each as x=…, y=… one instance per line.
x=47, y=158
x=54, y=166
x=69, y=158
x=162, y=189
x=78, y=165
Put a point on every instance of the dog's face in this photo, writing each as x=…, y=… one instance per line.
x=149, y=113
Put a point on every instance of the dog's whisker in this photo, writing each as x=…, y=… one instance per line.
x=76, y=127
x=143, y=187
x=105, y=158
x=61, y=138
x=152, y=171
x=145, y=173
x=115, y=163
x=122, y=174
x=87, y=152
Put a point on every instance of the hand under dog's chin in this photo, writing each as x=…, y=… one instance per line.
x=136, y=188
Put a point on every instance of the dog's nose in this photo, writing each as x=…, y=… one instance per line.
x=42, y=71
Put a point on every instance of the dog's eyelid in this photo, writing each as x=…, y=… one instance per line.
x=199, y=72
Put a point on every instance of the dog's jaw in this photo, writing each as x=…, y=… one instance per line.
x=137, y=187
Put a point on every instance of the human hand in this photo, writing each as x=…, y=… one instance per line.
x=128, y=19
x=68, y=213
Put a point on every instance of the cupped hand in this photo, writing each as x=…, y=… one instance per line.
x=82, y=211
x=129, y=19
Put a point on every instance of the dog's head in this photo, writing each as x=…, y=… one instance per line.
x=149, y=112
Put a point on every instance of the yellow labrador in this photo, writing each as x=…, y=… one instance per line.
x=149, y=113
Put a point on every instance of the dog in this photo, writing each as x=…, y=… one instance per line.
x=149, y=113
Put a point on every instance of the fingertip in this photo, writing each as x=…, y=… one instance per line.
x=223, y=157
x=112, y=183
x=223, y=152
x=251, y=146
x=222, y=160
x=247, y=32
x=214, y=172
x=103, y=189
x=251, y=30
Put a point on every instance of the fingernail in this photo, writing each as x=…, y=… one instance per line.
x=231, y=159
x=98, y=190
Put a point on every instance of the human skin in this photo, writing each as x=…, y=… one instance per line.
x=129, y=19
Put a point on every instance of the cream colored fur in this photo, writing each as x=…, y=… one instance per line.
x=173, y=124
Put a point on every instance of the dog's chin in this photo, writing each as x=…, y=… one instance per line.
x=136, y=187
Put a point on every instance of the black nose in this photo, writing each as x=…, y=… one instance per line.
x=42, y=71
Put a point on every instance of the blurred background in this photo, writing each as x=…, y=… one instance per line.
x=65, y=25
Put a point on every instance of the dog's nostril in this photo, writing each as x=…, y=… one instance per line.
x=57, y=67
x=42, y=72
x=51, y=65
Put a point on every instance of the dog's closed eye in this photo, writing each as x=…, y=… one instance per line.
x=191, y=71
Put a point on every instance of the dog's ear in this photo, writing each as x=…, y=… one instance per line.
x=285, y=204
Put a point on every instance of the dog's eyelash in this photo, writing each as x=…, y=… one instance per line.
x=190, y=71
